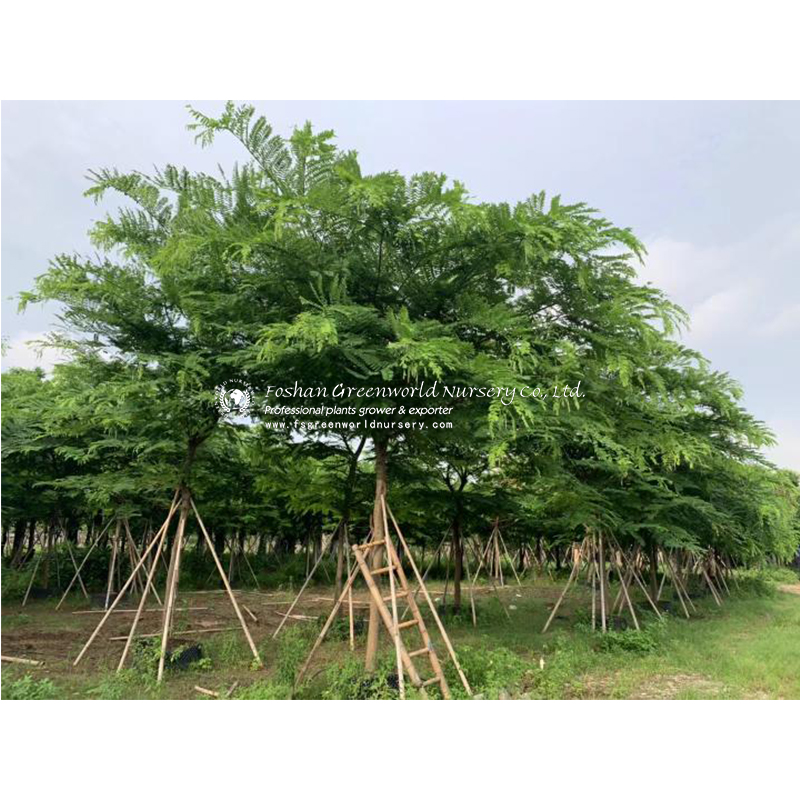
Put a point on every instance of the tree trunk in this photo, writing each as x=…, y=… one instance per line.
x=17, y=542
x=373, y=631
x=653, y=570
x=31, y=537
x=219, y=542
x=340, y=557
x=459, y=562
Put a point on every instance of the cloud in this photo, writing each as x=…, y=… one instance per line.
x=786, y=452
x=743, y=299
x=737, y=291
x=23, y=351
x=786, y=322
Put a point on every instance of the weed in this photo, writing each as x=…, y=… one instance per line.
x=349, y=681
x=28, y=688
x=491, y=673
x=293, y=649
x=265, y=690
x=629, y=640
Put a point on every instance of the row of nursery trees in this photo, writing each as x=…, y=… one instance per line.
x=295, y=267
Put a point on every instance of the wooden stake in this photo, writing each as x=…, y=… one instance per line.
x=326, y=627
x=122, y=591
x=227, y=586
x=638, y=579
x=510, y=560
x=431, y=605
x=77, y=571
x=33, y=576
x=622, y=579
x=471, y=593
x=162, y=534
x=427, y=570
x=112, y=563
x=303, y=588
x=572, y=575
x=172, y=584
x=85, y=559
x=387, y=620
x=178, y=635
x=349, y=592
x=17, y=660
x=395, y=620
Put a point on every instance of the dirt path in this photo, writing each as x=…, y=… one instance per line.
x=791, y=588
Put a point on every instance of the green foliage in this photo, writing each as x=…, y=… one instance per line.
x=294, y=645
x=264, y=690
x=348, y=680
x=755, y=582
x=491, y=673
x=28, y=688
x=646, y=640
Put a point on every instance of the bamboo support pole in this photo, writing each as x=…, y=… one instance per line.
x=602, y=574
x=431, y=605
x=639, y=580
x=427, y=570
x=227, y=586
x=77, y=572
x=624, y=587
x=148, y=584
x=491, y=578
x=676, y=585
x=112, y=563
x=172, y=585
x=33, y=577
x=176, y=635
x=510, y=560
x=18, y=660
x=122, y=591
x=309, y=576
x=326, y=627
x=573, y=574
x=395, y=621
x=387, y=620
x=83, y=562
x=717, y=598
x=349, y=593
x=471, y=593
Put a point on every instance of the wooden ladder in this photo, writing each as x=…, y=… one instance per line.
x=391, y=620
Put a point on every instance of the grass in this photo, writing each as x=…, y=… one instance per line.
x=748, y=648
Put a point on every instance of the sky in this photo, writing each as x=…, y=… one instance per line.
x=712, y=189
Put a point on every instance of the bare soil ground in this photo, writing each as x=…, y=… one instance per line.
x=749, y=648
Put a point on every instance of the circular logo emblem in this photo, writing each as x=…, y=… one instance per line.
x=234, y=398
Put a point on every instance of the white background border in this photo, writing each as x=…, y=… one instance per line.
x=419, y=50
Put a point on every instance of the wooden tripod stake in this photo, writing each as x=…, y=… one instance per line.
x=390, y=619
x=181, y=499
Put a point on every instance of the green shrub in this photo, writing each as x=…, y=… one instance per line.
x=294, y=646
x=118, y=685
x=28, y=688
x=490, y=672
x=559, y=673
x=349, y=680
x=630, y=640
x=15, y=581
x=265, y=690
x=754, y=582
